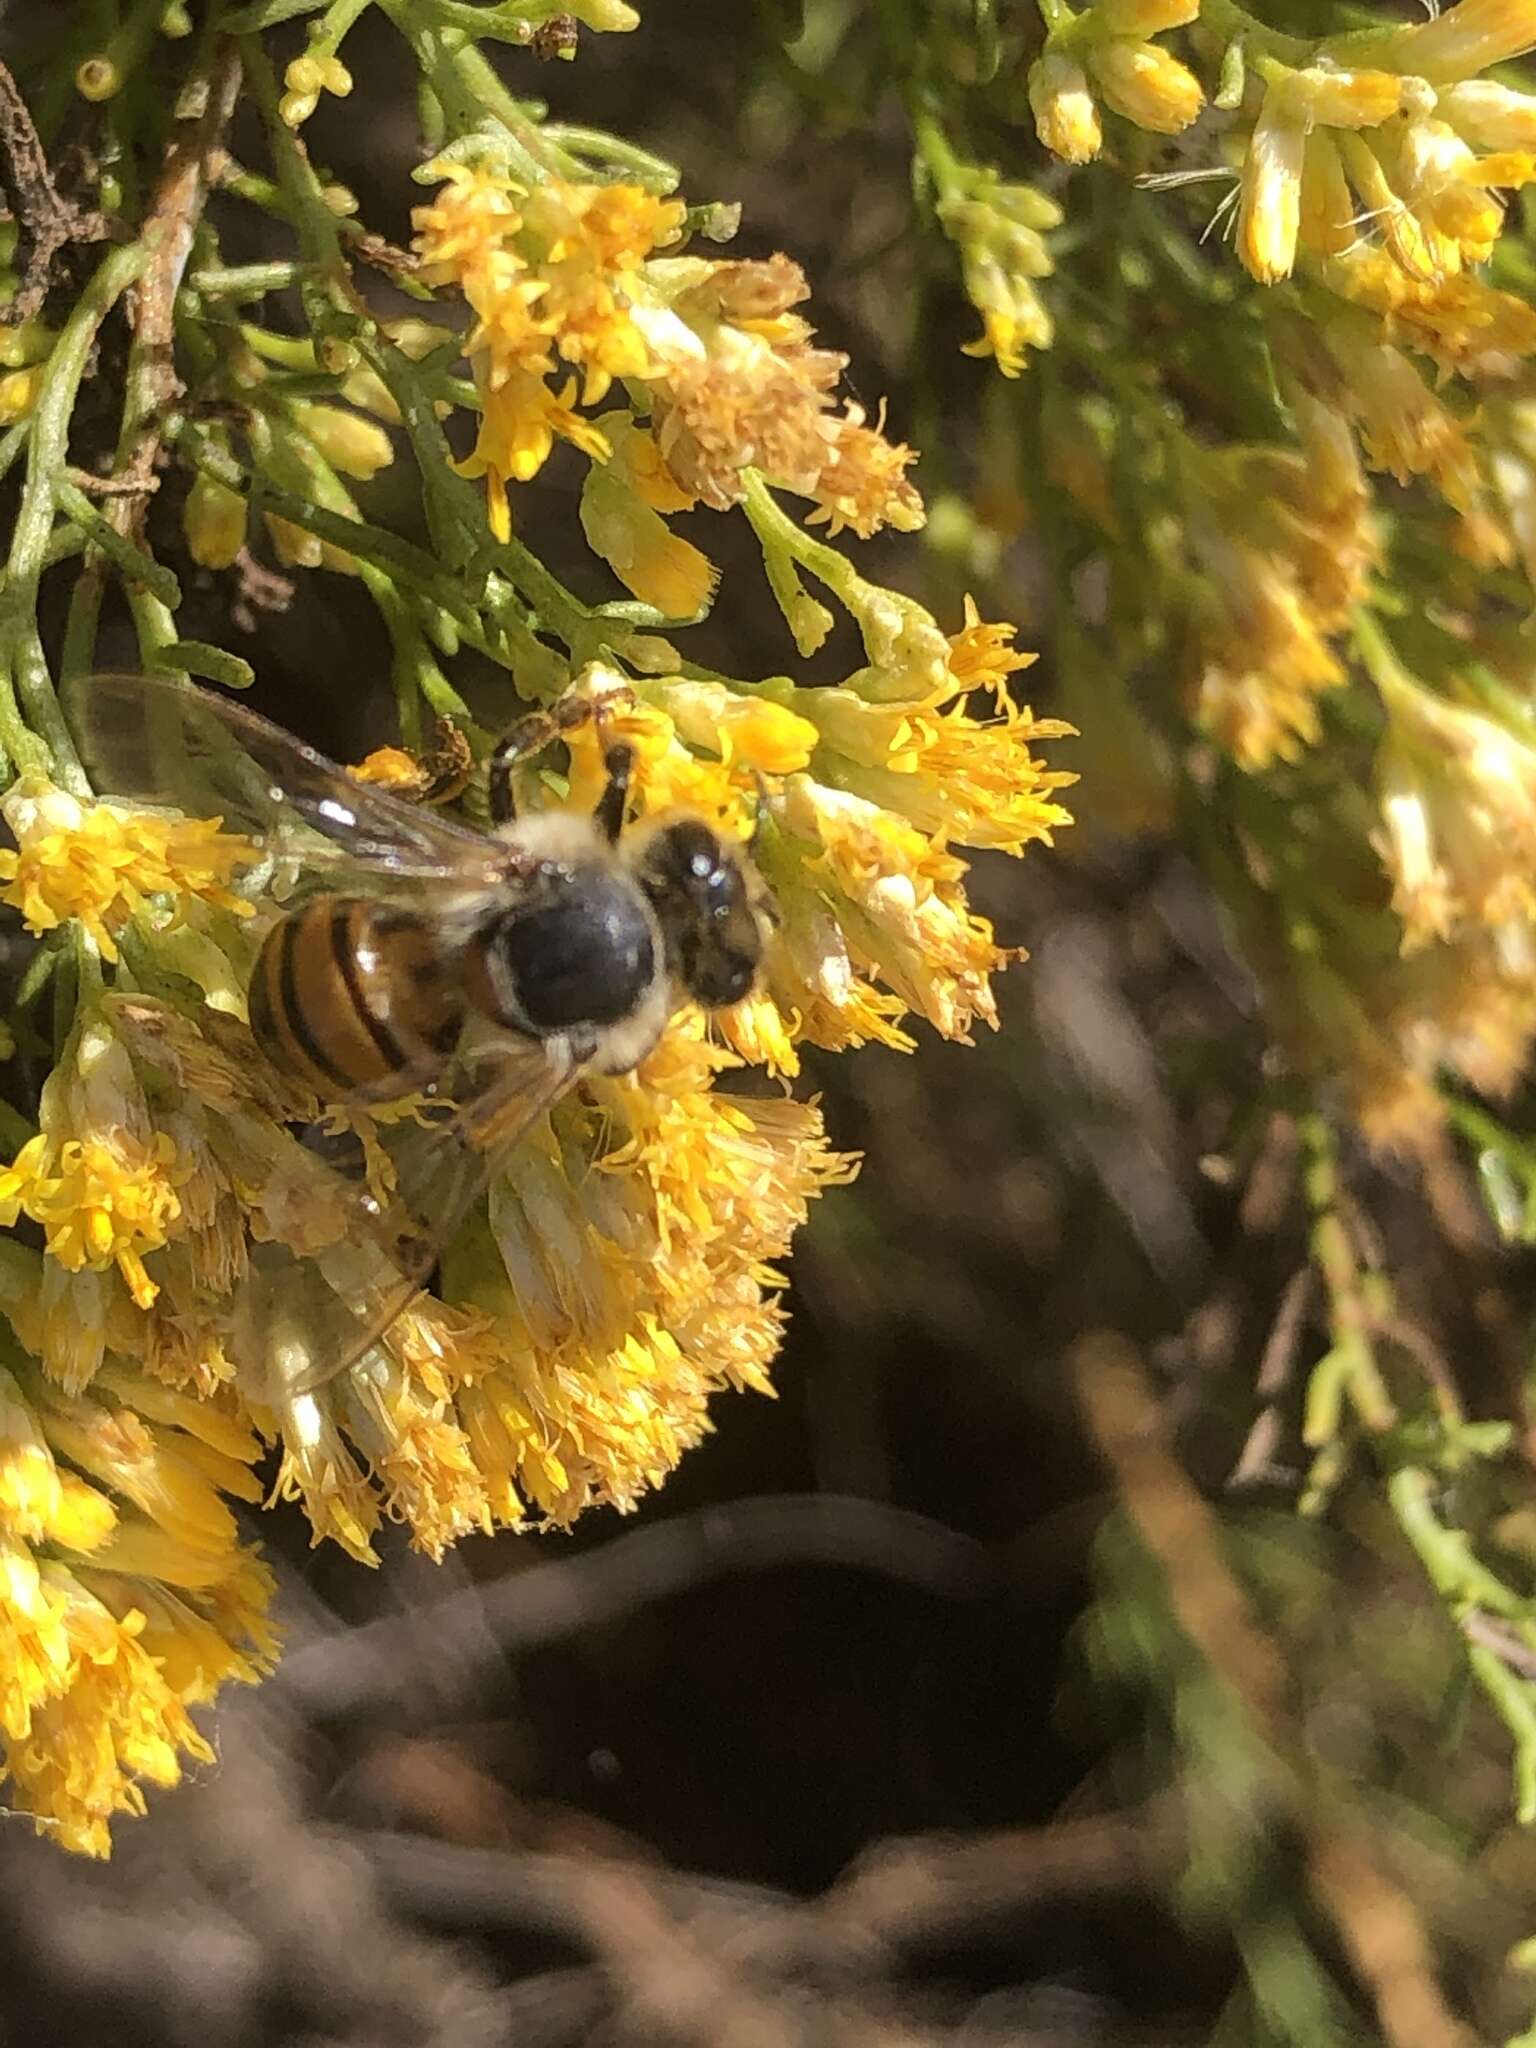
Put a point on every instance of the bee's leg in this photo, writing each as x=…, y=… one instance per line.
x=532, y=734
x=619, y=761
x=447, y=763
x=529, y=736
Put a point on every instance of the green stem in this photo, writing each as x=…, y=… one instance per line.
x=933, y=147
x=370, y=543
x=340, y=17
x=245, y=280
x=1379, y=658
x=1226, y=18
x=131, y=562
x=12, y=442
x=48, y=744
x=652, y=171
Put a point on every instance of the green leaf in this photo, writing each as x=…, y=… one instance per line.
x=201, y=658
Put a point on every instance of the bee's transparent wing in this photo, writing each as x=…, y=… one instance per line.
x=299, y=1321
x=153, y=739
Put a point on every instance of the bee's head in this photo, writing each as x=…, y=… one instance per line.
x=705, y=903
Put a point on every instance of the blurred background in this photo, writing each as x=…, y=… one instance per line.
x=984, y=1687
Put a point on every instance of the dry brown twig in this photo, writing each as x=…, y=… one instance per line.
x=192, y=164
x=1376, y=1920
x=46, y=223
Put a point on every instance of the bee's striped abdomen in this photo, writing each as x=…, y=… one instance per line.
x=355, y=998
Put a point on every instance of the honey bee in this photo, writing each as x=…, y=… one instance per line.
x=415, y=956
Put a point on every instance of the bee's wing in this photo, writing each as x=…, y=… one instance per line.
x=298, y=1322
x=152, y=739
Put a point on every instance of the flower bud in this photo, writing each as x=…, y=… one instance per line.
x=19, y=391
x=1066, y=119
x=213, y=520
x=1491, y=116
x=1270, y=216
x=98, y=78
x=24, y=344
x=1471, y=36
x=1334, y=98
x=1146, y=85
x=355, y=446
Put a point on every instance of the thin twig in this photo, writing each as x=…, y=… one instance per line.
x=383, y=1659
x=1502, y=1640
x=1276, y=1368
x=46, y=223
x=1378, y=1923
x=191, y=169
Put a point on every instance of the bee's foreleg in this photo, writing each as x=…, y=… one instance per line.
x=532, y=734
x=619, y=761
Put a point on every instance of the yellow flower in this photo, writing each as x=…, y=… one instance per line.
x=1145, y=84
x=1265, y=657
x=98, y=1177
x=20, y=391
x=522, y=418
x=1405, y=428
x=141, y=1603
x=896, y=894
x=1457, y=791
x=626, y=529
x=585, y=243
x=104, y=865
x=809, y=973
x=637, y=1242
x=1066, y=119
x=945, y=771
x=1469, y=37
x=116, y=1724
x=548, y=273
x=760, y=1033
x=1439, y=179
x=737, y=385
x=756, y=733
x=982, y=655
x=214, y=522
x=101, y=1204
x=1457, y=320
x=998, y=229
x=318, y=1470
x=1269, y=218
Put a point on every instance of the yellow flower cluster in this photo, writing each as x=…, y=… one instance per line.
x=1107, y=53
x=1400, y=135
x=624, y=1268
x=102, y=865
x=568, y=272
x=126, y=1598
x=1279, y=546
